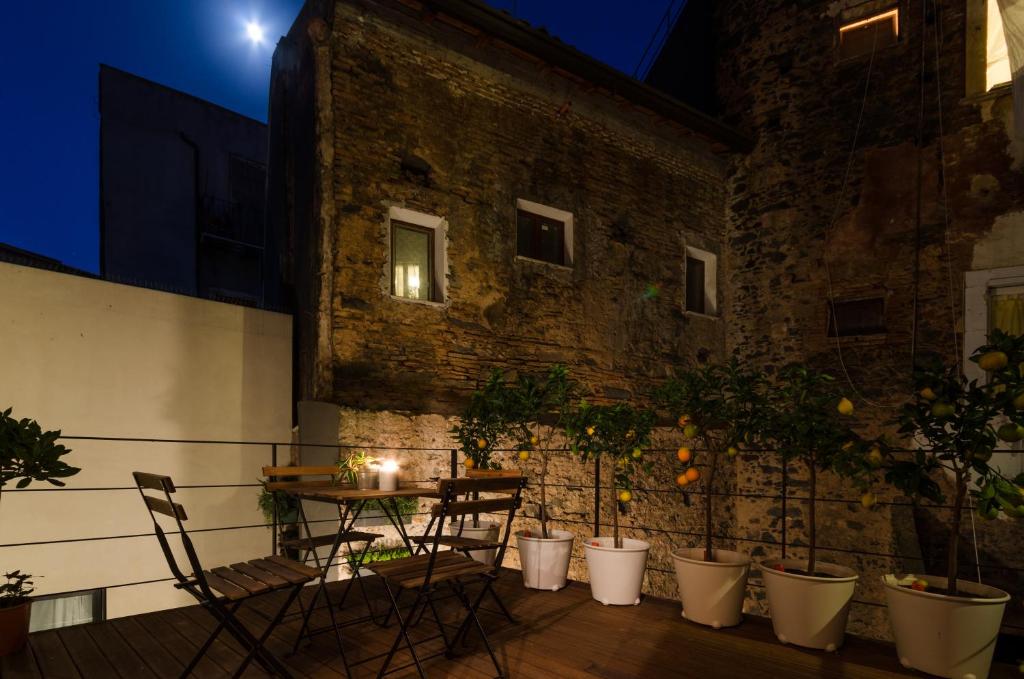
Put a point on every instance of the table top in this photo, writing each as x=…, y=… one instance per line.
x=343, y=495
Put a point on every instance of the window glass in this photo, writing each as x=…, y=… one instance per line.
x=695, y=288
x=850, y=318
x=412, y=259
x=65, y=610
x=1006, y=310
x=540, y=238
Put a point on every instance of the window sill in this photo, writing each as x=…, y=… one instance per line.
x=421, y=302
x=874, y=338
x=1003, y=90
x=697, y=314
x=531, y=260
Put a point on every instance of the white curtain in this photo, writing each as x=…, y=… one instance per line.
x=1012, y=12
x=63, y=612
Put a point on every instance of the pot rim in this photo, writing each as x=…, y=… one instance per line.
x=568, y=537
x=712, y=564
x=959, y=599
x=766, y=569
x=620, y=550
x=22, y=602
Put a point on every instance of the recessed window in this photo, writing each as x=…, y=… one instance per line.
x=53, y=611
x=701, y=282
x=417, y=256
x=856, y=317
x=543, y=233
x=997, y=58
x=869, y=34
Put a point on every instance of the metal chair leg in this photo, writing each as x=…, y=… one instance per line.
x=403, y=633
x=258, y=643
x=460, y=593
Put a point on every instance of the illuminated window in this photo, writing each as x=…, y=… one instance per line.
x=701, y=282
x=417, y=256
x=543, y=233
x=997, y=58
x=869, y=34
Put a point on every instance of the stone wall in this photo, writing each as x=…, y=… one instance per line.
x=808, y=221
x=424, y=116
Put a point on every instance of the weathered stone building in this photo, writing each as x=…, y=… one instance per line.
x=872, y=210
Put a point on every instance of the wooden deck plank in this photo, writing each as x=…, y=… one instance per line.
x=125, y=660
x=88, y=658
x=224, y=656
x=161, y=663
x=161, y=632
x=562, y=634
x=52, y=657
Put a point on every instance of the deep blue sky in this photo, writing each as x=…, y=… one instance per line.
x=49, y=121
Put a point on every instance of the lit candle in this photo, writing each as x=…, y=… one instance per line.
x=388, y=478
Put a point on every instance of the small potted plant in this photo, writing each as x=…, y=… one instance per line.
x=805, y=420
x=544, y=553
x=286, y=505
x=27, y=454
x=617, y=435
x=944, y=625
x=358, y=470
x=716, y=406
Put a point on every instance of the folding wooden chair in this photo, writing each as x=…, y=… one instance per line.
x=222, y=590
x=308, y=544
x=423, y=573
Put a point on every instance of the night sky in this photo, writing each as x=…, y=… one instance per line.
x=49, y=119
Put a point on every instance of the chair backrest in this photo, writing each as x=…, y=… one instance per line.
x=452, y=508
x=275, y=474
x=156, y=491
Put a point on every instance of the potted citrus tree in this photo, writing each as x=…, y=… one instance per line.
x=717, y=407
x=27, y=454
x=484, y=425
x=542, y=408
x=806, y=420
x=617, y=435
x=944, y=625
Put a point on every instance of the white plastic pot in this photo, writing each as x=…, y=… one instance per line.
x=616, y=575
x=545, y=562
x=712, y=592
x=943, y=635
x=478, y=531
x=809, y=611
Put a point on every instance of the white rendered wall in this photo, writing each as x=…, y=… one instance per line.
x=93, y=358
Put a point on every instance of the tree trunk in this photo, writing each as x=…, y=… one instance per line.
x=615, y=511
x=953, y=558
x=544, y=495
x=812, y=528
x=709, y=488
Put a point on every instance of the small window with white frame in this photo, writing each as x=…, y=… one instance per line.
x=544, y=233
x=418, y=255
x=701, y=275
x=53, y=611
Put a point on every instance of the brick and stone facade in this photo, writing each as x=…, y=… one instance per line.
x=378, y=104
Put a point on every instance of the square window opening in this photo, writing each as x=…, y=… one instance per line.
x=856, y=317
x=701, y=275
x=870, y=34
x=543, y=233
x=412, y=262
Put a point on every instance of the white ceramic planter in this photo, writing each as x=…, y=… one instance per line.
x=545, y=563
x=712, y=592
x=809, y=611
x=478, y=531
x=943, y=635
x=616, y=575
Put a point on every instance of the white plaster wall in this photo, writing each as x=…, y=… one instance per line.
x=94, y=358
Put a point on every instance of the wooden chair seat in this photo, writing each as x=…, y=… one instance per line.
x=328, y=540
x=458, y=542
x=411, y=572
x=257, y=576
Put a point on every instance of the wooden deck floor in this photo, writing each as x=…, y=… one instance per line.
x=563, y=634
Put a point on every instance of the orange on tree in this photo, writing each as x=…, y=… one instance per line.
x=681, y=479
x=625, y=496
x=524, y=455
x=469, y=463
x=684, y=454
x=845, y=406
x=692, y=474
x=993, y=360
x=481, y=443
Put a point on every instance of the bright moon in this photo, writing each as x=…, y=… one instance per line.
x=255, y=32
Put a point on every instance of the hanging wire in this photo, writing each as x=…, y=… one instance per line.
x=667, y=20
x=835, y=218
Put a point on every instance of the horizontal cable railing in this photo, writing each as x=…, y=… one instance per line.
x=774, y=538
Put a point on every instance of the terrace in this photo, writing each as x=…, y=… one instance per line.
x=565, y=633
